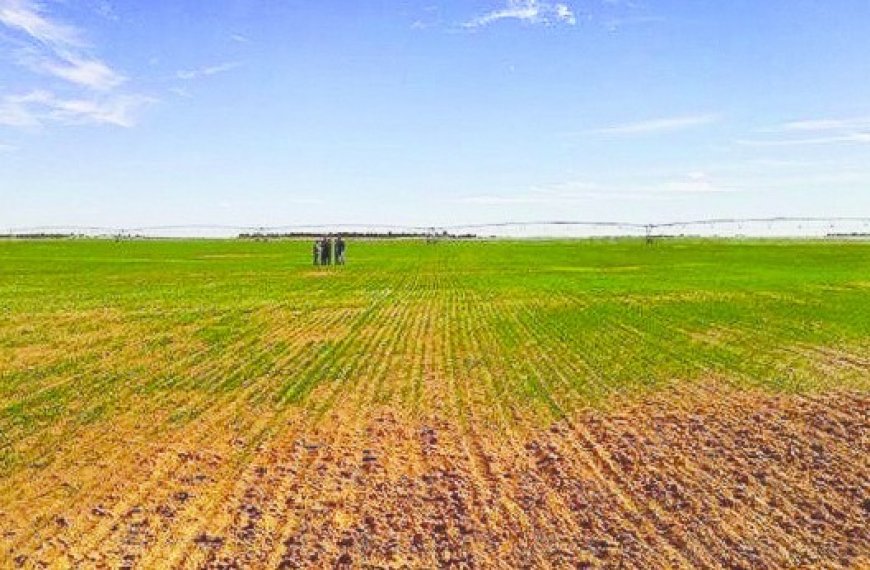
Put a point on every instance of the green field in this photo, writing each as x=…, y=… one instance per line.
x=118, y=358
x=86, y=322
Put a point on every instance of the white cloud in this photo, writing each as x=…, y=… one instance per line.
x=565, y=14
x=847, y=138
x=120, y=111
x=41, y=107
x=527, y=11
x=55, y=48
x=52, y=47
x=7, y=148
x=671, y=186
x=816, y=125
x=19, y=110
x=27, y=16
x=207, y=71
x=80, y=70
x=665, y=124
x=88, y=73
x=181, y=92
x=815, y=132
x=611, y=14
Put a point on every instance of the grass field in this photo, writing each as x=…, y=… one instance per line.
x=514, y=403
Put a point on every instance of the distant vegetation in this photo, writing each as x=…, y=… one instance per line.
x=39, y=236
x=363, y=235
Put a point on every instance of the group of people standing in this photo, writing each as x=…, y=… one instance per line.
x=328, y=251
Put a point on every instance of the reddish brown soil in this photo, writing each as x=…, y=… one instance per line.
x=696, y=478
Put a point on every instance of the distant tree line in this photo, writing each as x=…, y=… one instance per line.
x=362, y=235
x=39, y=236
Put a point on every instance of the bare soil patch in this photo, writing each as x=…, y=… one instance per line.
x=690, y=478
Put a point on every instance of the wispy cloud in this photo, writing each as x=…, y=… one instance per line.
x=207, y=70
x=672, y=186
x=820, y=125
x=27, y=16
x=181, y=92
x=430, y=18
x=55, y=48
x=659, y=125
x=814, y=132
x=85, y=72
x=611, y=14
x=15, y=110
x=850, y=138
x=527, y=11
x=39, y=107
x=49, y=46
x=4, y=148
x=120, y=111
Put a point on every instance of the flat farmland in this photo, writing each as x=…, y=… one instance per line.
x=600, y=404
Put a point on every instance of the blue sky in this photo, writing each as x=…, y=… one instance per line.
x=425, y=112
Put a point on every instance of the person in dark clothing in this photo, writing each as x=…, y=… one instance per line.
x=325, y=251
x=339, y=251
